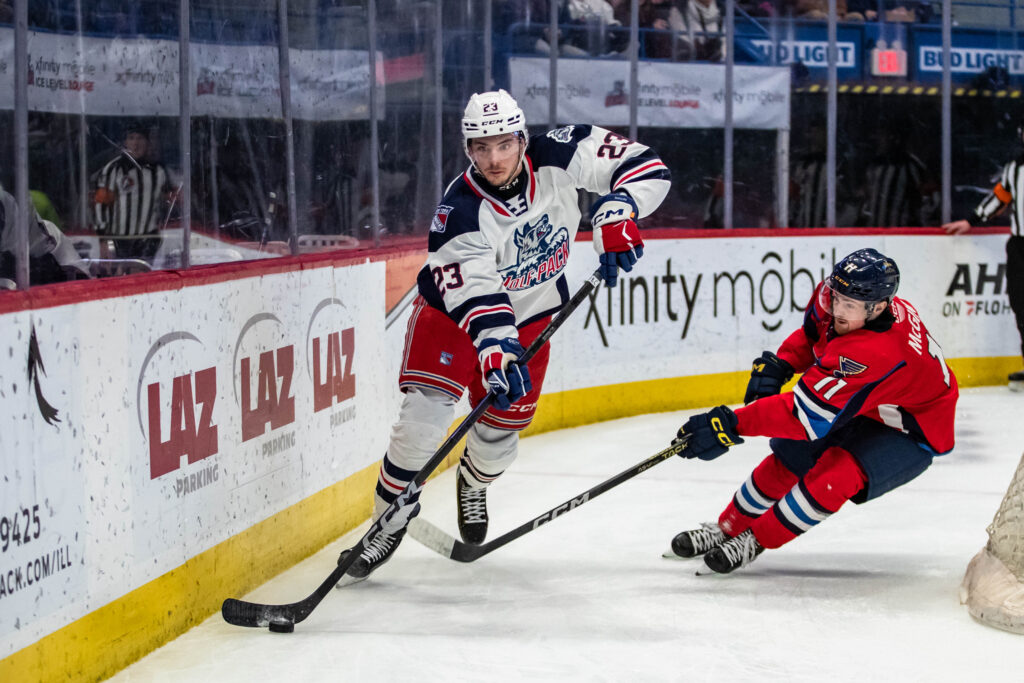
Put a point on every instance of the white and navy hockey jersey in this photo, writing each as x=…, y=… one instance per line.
x=496, y=264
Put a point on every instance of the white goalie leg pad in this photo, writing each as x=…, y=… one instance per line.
x=490, y=451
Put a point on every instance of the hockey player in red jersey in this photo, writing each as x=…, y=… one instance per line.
x=875, y=403
x=498, y=247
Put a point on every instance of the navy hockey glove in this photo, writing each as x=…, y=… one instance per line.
x=711, y=433
x=507, y=380
x=767, y=377
x=616, y=237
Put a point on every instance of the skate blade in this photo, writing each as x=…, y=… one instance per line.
x=669, y=555
x=1017, y=387
x=348, y=581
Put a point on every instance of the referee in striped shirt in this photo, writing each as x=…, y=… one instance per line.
x=1008, y=192
x=130, y=198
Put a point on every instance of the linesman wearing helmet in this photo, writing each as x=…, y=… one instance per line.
x=1008, y=193
x=875, y=403
x=498, y=247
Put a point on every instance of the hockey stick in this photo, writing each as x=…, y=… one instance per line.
x=443, y=544
x=283, y=618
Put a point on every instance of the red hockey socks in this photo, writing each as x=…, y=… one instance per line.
x=833, y=480
x=766, y=484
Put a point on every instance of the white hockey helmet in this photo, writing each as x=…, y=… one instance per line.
x=492, y=113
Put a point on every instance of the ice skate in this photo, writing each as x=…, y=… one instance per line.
x=1016, y=381
x=472, y=504
x=381, y=547
x=696, y=542
x=734, y=553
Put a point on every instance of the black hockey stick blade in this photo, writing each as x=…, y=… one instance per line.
x=284, y=617
x=450, y=547
x=242, y=613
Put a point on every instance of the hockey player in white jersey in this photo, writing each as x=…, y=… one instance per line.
x=495, y=273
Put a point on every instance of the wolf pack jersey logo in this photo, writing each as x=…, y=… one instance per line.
x=848, y=367
x=440, y=220
x=543, y=253
x=563, y=134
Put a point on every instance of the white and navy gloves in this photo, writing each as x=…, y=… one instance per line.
x=507, y=380
x=616, y=237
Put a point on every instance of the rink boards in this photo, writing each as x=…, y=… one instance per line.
x=172, y=440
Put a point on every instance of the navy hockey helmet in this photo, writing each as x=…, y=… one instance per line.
x=866, y=275
x=857, y=285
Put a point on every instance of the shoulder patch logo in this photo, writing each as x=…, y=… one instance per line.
x=440, y=220
x=563, y=134
x=848, y=367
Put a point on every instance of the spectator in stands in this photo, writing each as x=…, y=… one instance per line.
x=898, y=190
x=818, y=10
x=6, y=12
x=699, y=30
x=588, y=33
x=861, y=10
x=653, y=17
x=131, y=195
x=809, y=178
x=52, y=257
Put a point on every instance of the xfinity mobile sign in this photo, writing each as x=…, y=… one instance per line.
x=668, y=95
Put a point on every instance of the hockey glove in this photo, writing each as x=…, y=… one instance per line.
x=767, y=377
x=616, y=237
x=507, y=380
x=711, y=433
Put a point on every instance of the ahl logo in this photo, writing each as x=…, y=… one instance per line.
x=440, y=220
x=543, y=253
x=189, y=434
x=563, y=134
x=849, y=367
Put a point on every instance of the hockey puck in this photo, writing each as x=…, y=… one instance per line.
x=281, y=626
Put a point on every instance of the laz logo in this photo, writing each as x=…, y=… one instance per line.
x=187, y=436
x=274, y=404
x=333, y=380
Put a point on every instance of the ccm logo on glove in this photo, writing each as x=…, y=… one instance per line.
x=616, y=236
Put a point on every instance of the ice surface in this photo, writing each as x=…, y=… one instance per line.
x=869, y=594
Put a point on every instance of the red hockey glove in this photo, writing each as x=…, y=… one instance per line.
x=616, y=237
x=507, y=380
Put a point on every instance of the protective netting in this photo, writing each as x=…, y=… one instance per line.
x=1006, y=532
x=993, y=586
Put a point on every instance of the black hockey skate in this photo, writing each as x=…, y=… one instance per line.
x=698, y=541
x=472, y=504
x=734, y=553
x=380, y=550
x=382, y=546
x=1016, y=380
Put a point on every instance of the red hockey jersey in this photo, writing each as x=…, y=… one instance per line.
x=891, y=370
